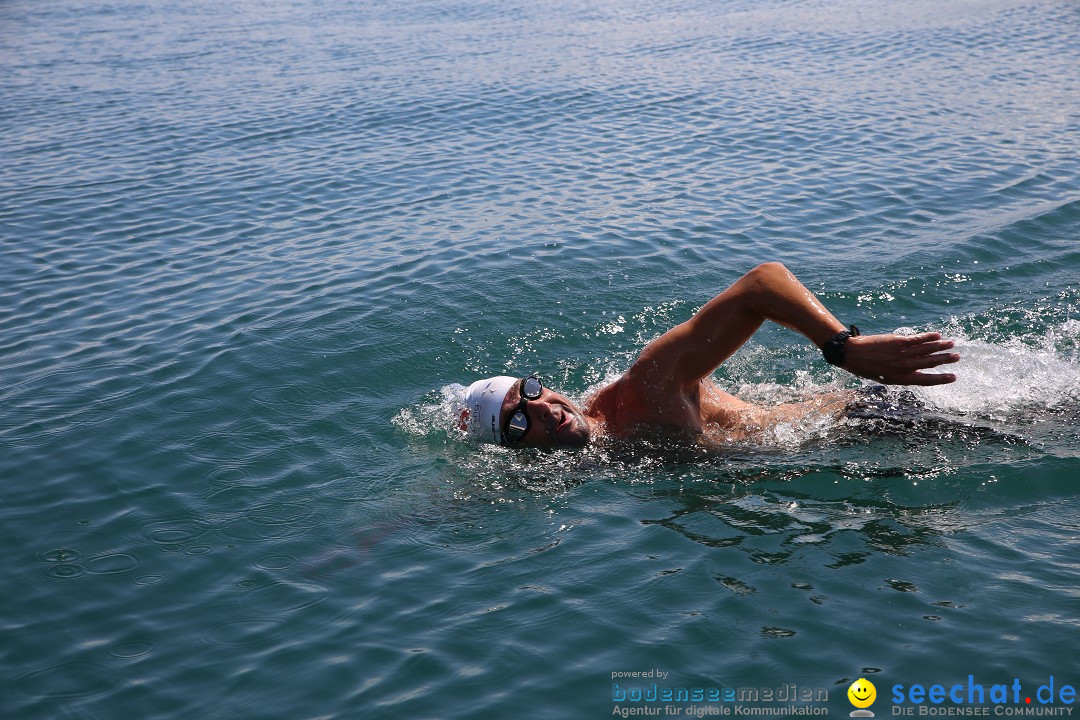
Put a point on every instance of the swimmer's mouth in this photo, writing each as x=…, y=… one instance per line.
x=566, y=420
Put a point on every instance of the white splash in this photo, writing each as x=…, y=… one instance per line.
x=999, y=379
x=438, y=415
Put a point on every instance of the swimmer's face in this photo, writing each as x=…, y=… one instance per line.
x=554, y=421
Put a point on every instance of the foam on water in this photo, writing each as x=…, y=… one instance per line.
x=1022, y=375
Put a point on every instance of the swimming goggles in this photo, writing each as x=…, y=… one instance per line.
x=517, y=426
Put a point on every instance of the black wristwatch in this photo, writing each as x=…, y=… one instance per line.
x=833, y=349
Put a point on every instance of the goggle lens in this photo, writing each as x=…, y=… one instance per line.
x=531, y=388
x=518, y=425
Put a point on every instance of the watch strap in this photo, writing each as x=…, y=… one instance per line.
x=833, y=350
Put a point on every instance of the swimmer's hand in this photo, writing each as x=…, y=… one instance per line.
x=899, y=359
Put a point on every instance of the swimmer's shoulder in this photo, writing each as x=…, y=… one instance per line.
x=623, y=405
x=603, y=406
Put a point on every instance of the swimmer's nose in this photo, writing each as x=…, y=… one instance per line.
x=547, y=413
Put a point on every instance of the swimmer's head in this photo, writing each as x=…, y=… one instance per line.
x=521, y=412
x=481, y=417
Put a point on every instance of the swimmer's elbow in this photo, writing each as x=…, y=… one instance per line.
x=768, y=274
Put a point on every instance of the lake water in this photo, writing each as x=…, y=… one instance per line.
x=248, y=249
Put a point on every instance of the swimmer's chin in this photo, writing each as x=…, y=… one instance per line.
x=576, y=436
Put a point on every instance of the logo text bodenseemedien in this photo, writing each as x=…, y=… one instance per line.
x=666, y=693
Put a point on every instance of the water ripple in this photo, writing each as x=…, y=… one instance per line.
x=243, y=245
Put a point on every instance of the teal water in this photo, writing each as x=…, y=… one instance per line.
x=247, y=250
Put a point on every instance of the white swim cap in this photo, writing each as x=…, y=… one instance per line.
x=483, y=408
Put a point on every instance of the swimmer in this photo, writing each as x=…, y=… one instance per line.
x=668, y=388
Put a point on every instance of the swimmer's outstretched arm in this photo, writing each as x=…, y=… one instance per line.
x=693, y=350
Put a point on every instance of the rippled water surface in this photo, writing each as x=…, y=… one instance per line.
x=247, y=250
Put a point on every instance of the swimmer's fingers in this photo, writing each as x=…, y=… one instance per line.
x=921, y=378
x=928, y=347
x=911, y=340
x=922, y=362
x=914, y=378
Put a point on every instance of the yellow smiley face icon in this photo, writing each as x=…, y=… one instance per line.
x=862, y=693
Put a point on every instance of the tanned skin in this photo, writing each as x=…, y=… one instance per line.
x=668, y=387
